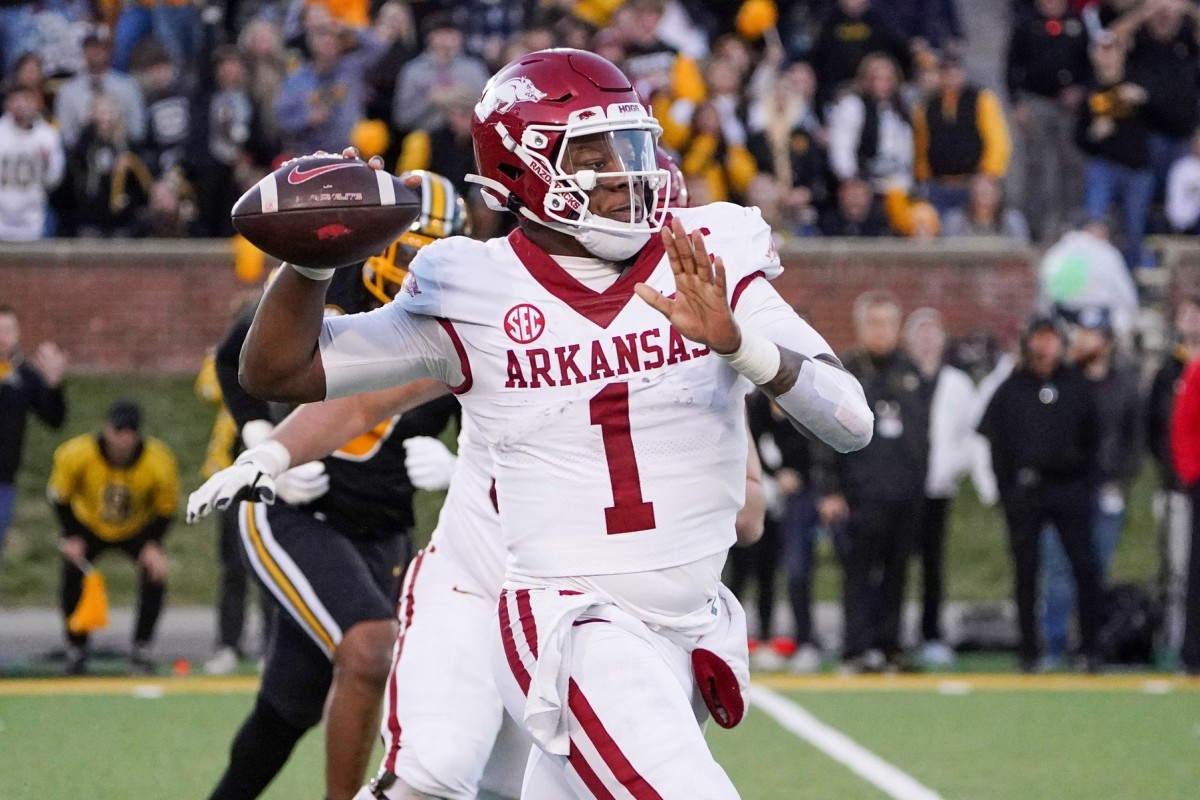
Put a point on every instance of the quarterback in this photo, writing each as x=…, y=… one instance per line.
x=445, y=732
x=615, y=422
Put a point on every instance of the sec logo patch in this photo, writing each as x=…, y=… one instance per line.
x=524, y=323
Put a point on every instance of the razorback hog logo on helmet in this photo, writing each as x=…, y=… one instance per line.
x=504, y=96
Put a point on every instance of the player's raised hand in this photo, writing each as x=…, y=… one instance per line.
x=700, y=309
x=50, y=362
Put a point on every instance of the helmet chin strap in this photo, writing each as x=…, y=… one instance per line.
x=612, y=246
x=605, y=245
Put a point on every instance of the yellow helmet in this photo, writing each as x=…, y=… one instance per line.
x=443, y=213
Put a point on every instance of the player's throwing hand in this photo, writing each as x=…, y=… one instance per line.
x=700, y=308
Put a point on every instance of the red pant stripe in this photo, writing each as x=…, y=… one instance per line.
x=405, y=617
x=590, y=779
x=609, y=752
x=510, y=646
x=528, y=624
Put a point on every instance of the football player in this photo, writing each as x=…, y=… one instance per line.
x=332, y=554
x=615, y=423
x=444, y=731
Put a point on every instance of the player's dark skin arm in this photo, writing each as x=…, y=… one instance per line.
x=281, y=360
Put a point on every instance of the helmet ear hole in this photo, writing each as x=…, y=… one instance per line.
x=513, y=173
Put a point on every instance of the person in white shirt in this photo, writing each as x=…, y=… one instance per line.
x=870, y=136
x=955, y=450
x=616, y=423
x=31, y=165
x=1183, y=191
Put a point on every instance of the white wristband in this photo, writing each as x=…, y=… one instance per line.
x=314, y=273
x=256, y=431
x=757, y=358
x=270, y=458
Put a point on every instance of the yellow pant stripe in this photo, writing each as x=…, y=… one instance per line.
x=285, y=586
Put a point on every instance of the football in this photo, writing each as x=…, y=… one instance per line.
x=325, y=211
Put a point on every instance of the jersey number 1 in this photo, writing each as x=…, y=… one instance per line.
x=629, y=511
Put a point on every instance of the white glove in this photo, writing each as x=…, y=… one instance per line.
x=302, y=484
x=775, y=500
x=251, y=477
x=429, y=463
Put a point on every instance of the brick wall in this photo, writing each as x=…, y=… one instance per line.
x=979, y=285
x=156, y=306
x=144, y=306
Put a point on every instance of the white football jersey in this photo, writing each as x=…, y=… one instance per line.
x=468, y=528
x=618, y=446
x=31, y=163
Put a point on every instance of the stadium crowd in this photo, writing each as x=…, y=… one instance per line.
x=836, y=117
x=149, y=118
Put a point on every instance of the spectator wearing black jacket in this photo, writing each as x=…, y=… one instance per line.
x=1173, y=505
x=787, y=455
x=872, y=499
x=786, y=138
x=1047, y=69
x=168, y=113
x=1112, y=131
x=1115, y=381
x=230, y=146
x=1163, y=58
x=858, y=213
x=1042, y=424
x=27, y=386
x=958, y=133
x=923, y=23
x=851, y=31
x=107, y=183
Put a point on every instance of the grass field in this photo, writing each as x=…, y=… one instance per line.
x=29, y=570
x=978, y=738
x=977, y=564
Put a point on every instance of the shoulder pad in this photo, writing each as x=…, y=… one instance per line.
x=738, y=235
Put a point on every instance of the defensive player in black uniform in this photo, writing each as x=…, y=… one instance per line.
x=333, y=559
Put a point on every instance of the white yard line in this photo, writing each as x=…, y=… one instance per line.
x=841, y=748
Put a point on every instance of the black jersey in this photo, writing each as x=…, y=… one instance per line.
x=370, y=495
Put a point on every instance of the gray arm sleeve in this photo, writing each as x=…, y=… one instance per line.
x=827, y=402
x=385, y=348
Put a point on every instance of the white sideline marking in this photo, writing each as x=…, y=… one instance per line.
x=841, y=748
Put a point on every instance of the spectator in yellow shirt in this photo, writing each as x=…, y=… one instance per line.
x=115, y=490
x=716, y=167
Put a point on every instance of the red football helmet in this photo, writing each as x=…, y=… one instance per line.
x=531, y=110
x=675, y=192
